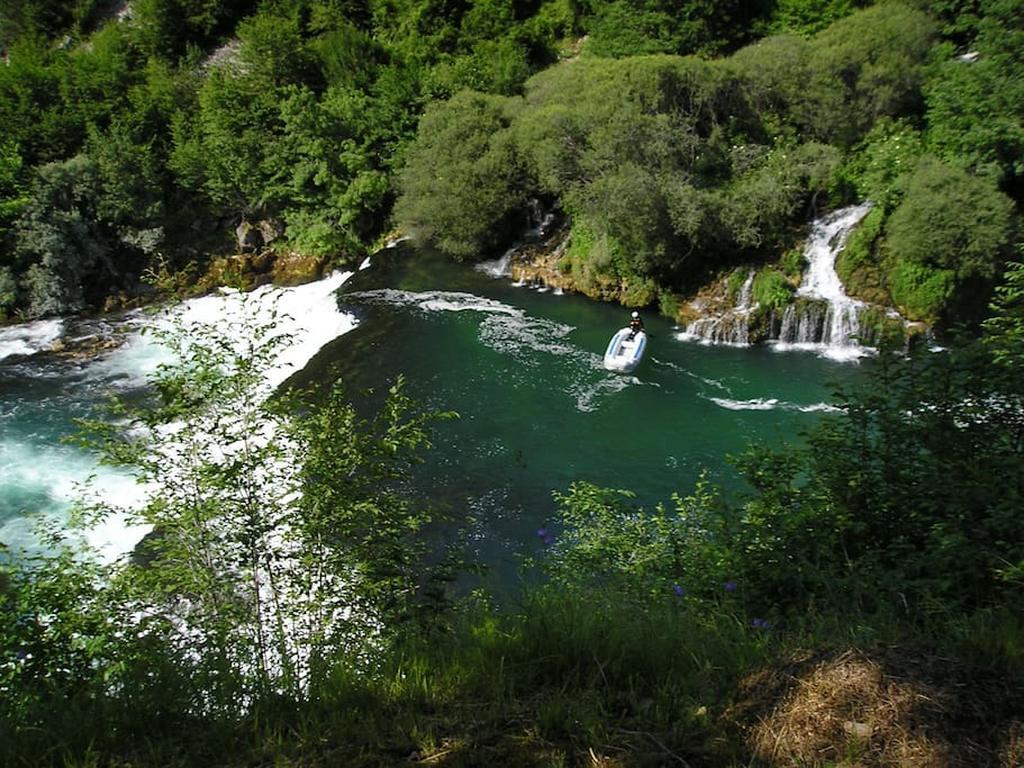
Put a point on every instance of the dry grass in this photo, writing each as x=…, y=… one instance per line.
x=889, y=707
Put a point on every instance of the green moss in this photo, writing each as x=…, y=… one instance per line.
x=668, y=304
x=735, y=282
x=879, y=329
x=792, y=263
x=920, y=292
x=860, y=246
x=771, y=289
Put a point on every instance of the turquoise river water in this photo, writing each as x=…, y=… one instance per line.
x=521, y=366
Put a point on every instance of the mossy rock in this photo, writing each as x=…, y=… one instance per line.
x=297, y=269
x=237, y=271
x=867, y=283
x=639, y=292
x=878, y=328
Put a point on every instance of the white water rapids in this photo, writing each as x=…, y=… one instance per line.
x=41, y=476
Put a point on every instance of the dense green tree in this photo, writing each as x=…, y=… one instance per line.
x=1004, y=330
x=806, y=17
x=975, y=115
x=166, y=28
x=463, y=184
x=881, y=166
x=637, y=27
x=45, y=18
x=874, y=65
x=61, y=241
x=947, y=241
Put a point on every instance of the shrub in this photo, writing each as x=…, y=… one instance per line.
x=948, y=238
x=771, y=289
x=463, y=184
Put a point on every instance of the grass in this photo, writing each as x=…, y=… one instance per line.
x=566, y=680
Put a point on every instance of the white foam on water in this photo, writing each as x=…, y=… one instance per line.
x=308, y=314
x=54, y=478
x=704, y=341
x=29, y=338
x=511, y=332
x=755, y=404
x=768, y=404
x=840, y=353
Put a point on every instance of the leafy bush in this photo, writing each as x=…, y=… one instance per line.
x=462, y=186
x=772, y=289
x=877, y=57
x=947, y=240
x=974, y=109
x=881, y=166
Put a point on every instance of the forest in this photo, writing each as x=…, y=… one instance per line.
x=297, y=605
x=677, y=139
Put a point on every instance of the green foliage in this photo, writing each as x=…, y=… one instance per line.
x=947, y=239
x=270, y=523
x=921, y=291
x=881, y=167
x=890, y=507
x=911, y=462
x=772, y=289
x=626, y=28
x=1004, y=330
x=974, y=108
x=166, y=28
x=859, y=248
x=761, y=203
x=26, y=18
x=12, y=201
x=61, y=239
x=859, y=263
x=8, y=292
x=792, y=262
x=462, y=186
x=877, y=57
x=806, y=17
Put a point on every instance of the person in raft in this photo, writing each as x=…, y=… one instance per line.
x=635, y=325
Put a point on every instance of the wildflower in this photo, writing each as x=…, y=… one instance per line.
x=678, y=589
x=548, y=540
x=730, y=586
x=542, y=533
x=760, y=624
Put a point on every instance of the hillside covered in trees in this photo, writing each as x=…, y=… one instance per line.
x=677, y=139
x=858, y=602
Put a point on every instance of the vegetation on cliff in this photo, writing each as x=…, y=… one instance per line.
x=294, y=603
x=671, y=169
x=141, y=139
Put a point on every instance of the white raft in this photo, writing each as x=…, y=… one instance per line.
x=624, y=353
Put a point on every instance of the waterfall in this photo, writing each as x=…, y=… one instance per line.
x=823, y=317
x=498, y=267
x=732, y=326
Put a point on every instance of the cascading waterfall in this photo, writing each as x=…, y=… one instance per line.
x=498, y=267
x=732, y=327
x=823, y=317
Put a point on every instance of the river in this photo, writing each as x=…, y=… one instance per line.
x=521, y=366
